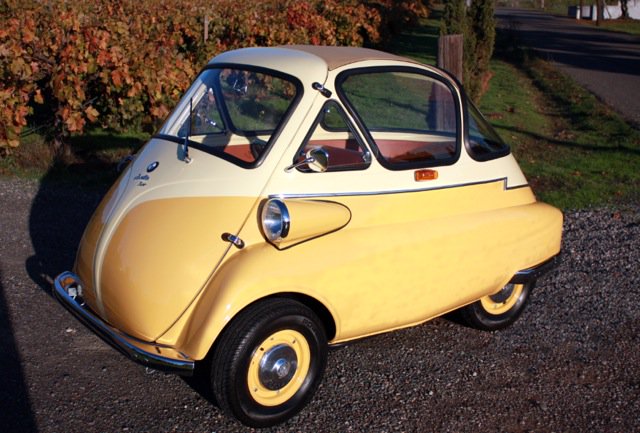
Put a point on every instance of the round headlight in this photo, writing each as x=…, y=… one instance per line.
x=275, y=220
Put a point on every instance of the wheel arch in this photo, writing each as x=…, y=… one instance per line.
x=320, y=310
x=323, y=313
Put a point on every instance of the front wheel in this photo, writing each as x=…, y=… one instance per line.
x=269, y=362
x=499, y=310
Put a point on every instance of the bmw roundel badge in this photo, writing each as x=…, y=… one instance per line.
x=152, y=166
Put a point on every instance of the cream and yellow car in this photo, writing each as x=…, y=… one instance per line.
x=300, y=197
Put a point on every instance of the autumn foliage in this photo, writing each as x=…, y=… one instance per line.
x=124, y=64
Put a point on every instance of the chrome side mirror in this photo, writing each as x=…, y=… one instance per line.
x=317, y=159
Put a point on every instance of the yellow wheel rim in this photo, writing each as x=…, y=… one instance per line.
x=279, y=367
x=503, y=300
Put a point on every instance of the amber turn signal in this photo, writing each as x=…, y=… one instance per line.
x=425, y=174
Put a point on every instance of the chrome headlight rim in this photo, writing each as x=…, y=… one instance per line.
x=275, y=220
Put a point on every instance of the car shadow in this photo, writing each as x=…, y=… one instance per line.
x=16, y=414
x=200, y=383
x=59, y=214
x=68, y=195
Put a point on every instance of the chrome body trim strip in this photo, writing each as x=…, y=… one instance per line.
x=152, y=355
x=402, y=191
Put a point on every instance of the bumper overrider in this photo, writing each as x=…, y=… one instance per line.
x=68, y=290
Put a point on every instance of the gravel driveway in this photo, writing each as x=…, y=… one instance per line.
x=570, y=364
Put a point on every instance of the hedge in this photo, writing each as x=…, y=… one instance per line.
x=123, y=65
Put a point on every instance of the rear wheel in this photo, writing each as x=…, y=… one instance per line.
x=269, y=362
x=499, y=310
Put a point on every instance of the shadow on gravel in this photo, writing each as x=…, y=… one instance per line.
x=68, y=195
x=199, y=382
x=15, y=414
x=59, y=214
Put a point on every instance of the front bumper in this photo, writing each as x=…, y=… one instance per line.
x=152, y=355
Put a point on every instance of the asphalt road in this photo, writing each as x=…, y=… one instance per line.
x=570, y=364
x=607, y=63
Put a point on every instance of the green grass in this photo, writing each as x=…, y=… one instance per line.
x=90, y=159
x=421, y=42
x=625, y=26
x=581, y=153
x=574, y=150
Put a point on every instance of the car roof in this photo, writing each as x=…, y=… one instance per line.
x=302, y=59
x=336, y=57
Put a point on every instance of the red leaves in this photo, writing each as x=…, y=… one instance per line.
x=127, y=63
x=73, y=120
x=91, y=113
x=116, y=78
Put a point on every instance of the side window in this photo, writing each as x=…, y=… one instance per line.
x=483, y=142
x=332, y=132
x=411, y=117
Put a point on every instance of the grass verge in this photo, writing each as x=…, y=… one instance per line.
x=629, y=26
x=90, y=160
x=575, y=151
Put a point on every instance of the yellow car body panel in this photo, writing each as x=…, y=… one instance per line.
x=397, y=271
x=161, y=254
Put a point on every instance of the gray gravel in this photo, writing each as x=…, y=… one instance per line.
x=570, y=364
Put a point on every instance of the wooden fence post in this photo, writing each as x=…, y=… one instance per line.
x=450, y=54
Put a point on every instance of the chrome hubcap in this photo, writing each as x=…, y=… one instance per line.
x=277, y=366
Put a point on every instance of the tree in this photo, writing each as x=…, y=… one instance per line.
x=456, y=22
x=624, y=6
x=454, y=18
x=600, y=12
x=483, y=26
x=477, y=25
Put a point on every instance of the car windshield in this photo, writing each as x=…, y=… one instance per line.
x=232, y=112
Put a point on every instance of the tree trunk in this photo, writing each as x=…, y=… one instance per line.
x=599, y=11
x=624, y=6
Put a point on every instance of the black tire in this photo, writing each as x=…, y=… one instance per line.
x=269, y=362
x=497, y=311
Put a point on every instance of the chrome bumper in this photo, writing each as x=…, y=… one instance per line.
x=532, y=274
x=151, y=355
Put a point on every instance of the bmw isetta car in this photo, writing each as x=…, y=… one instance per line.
x=300, y=197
